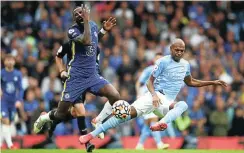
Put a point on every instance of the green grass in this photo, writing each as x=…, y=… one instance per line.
x=117, y=151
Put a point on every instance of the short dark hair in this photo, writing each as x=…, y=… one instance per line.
x=9, y=56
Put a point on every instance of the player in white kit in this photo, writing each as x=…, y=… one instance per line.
x=169, y=74
x=151, y=118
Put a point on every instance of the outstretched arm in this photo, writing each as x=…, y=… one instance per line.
x=107, y=26
x=189, y=81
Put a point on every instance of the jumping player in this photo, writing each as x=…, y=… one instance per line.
x=165, y=82
x=82, y=73
x=151, y=118
x=11, y=97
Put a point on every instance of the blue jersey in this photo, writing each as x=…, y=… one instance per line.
x=83, y=61
x=11, y=85
x=65, y=49
x=169, y=75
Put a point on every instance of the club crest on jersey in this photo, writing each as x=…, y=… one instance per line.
x=66, y=95
x=95, y=33
x=91, y=50
x=15, y=78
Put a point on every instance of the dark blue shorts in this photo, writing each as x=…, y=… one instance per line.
x=75, y=88
x=8, y=109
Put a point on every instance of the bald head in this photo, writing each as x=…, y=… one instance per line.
x=178, y=41
x=177, y=49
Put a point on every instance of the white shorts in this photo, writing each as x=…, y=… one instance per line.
x=144, y=105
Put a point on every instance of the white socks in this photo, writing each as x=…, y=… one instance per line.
x=6, y=134
x=107, y=110
x=46, y=117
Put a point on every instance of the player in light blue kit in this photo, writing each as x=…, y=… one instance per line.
x=169, y=74
x=11, y=97
x=151, y=118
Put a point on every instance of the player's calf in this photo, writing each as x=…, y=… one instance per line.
x=112, y=122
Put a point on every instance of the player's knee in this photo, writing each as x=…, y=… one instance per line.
x=60, y=115
x=5, y=121
x=183, y=105
x=117, y=96
x=133, y=112
x=79, y=113
x=114, y=97
x=79, y=110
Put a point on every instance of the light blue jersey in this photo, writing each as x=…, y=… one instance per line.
x=169, y=75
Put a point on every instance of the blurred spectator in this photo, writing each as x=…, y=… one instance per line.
x=219, y=119
x=237, y=123
x=30, y=105
x=198, y=119
x=52, y=82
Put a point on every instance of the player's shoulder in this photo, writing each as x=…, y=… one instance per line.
x=164, y=59
x=149, y=68
x=185, y=62
x=17, y=72
x=74, y=26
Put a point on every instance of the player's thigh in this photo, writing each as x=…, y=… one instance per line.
x=106, y=89
x=164, y=108
x=143, y=105
x=73, y=89
x=63, y=108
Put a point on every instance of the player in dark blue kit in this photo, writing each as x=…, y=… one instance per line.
x=82, y=75
x=11, y=96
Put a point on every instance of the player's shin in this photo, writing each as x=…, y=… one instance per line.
x=6, y=134
x=106, y=111
x=145, y=133
x=82, y=125
x=110, y=123
x=178, y=109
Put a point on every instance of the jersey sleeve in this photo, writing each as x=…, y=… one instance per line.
x=63, y=50
x=158, y=67
x=144, y=76
x=73, y=32
x=188, y=71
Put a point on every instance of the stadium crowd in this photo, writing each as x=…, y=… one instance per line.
x=214, y=37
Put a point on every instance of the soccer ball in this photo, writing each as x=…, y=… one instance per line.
x=121, y=109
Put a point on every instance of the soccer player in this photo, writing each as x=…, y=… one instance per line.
x=65, y=49
x=82, y=73
x=165, y=82
x=151, y=118
x=11, y=97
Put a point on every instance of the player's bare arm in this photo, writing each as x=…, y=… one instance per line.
x=189, y=81
x=82, y=14
x=155, y=99
x=107, y=26
x=62, y=70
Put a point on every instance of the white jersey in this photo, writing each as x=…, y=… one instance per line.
x=169, y=76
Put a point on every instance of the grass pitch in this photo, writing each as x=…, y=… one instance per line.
x=117, y=151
